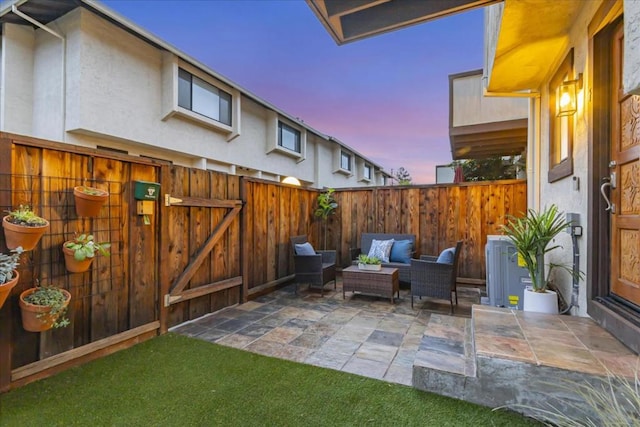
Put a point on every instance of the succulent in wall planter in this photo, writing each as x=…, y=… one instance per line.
x=44, y=307
x=80, y=252
x=89, y=200
x=23, y=228
x=8, y=274
x=366, y=262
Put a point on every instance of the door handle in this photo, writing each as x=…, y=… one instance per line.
x=607, y=183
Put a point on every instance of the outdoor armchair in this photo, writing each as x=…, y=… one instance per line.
x=313, y=267
x=435, y=277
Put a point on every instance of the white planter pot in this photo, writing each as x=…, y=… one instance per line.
x=540, y=302
x=372, y=267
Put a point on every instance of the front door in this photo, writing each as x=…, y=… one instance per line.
x=625, y=182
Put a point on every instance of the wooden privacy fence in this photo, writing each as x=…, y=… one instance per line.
x=439, y=215
x=212, y=241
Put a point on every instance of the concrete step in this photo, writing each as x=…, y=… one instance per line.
x=503, y=357
x=446, y=356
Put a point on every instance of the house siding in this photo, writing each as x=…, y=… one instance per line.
x=118, y=92
x=631, y=77
x=563, y=193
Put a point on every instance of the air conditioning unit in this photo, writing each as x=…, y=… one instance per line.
x=506, y=280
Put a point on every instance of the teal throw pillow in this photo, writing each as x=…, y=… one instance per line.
x=401, y=251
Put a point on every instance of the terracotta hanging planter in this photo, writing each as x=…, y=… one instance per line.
x=22, y=235
x=38, y=318
x=80, y=252
x=5, y=288
x=89, y=200
x=72, y=264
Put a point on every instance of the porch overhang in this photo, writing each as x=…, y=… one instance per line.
x=507, y=138
x=533, y=37
x=350, y=20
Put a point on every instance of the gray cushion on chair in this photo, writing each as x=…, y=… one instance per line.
x=304, y=249
x=446, y=256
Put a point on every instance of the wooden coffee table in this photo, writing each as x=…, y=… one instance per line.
x=383, y=283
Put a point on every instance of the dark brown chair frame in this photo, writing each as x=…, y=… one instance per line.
x=432, y=279
x=316, y=270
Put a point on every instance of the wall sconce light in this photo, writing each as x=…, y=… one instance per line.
x=567, y=97
x=291, y=180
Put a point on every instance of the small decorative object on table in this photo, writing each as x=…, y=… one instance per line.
x=89, y=200
x=80, y=252
x=366, y=262
x=23, y=227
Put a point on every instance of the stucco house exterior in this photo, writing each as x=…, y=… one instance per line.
x=77, y=72
x=577, y=66
x=586, y=160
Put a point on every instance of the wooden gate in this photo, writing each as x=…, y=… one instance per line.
x=200, y=241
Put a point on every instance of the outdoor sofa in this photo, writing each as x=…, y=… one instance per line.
x=402, y=250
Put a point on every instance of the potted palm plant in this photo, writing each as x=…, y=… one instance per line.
x=89, y=200
x=43, y=308
x=532, y=236
x=22, y=227
x=8, y=274
x=80, y=252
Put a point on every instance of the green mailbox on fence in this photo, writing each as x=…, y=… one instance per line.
x=146, y=193
x=144, y=190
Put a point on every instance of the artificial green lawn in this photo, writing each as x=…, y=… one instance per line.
x=174, y=380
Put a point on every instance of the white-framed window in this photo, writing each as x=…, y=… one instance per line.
x=196, y=95
x=345, y=160
x=366, y=173
x=285, y=137
x=289, y=138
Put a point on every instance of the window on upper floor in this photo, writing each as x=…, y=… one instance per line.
x=345, y=161
x=289, y=138
x=367, y=172
x=203, y=98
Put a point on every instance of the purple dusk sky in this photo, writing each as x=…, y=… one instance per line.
x=386, y=96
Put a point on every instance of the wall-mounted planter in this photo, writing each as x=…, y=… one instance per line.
x=5, y=288
x=38, y=318
x=89, y=200
x=22, y=235
x=72, y=264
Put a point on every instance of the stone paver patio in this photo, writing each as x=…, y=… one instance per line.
x=361, y=334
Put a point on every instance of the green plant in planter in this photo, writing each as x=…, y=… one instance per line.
x=532, y=236
x=371, y=260
x=327, y=205
x=26, y=217
x=84, y=246
x=8, y=263
x=51, y=296
x=91, y=191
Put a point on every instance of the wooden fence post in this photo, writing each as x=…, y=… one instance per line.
x=6, y=315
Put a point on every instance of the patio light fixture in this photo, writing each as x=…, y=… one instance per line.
x=566, y=97
x=291, y=180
